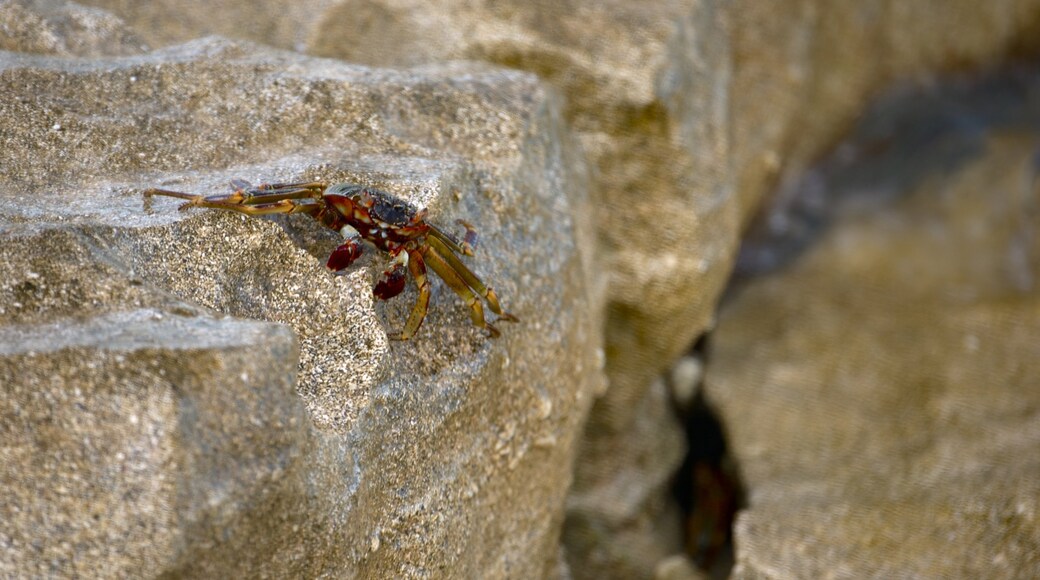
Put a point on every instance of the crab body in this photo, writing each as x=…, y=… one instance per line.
x=392, y=225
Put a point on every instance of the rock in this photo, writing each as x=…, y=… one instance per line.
x=172, y=434
x=656, y=92
x=678, y=567
x=647, y=91
x=878, y=384
x=804, y=70
x=64, y=29
x=133, y=441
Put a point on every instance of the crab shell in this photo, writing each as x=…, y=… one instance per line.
x=398, y=228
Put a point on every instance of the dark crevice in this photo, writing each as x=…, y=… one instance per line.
x=707, y=487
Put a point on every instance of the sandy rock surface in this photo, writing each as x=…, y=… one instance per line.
x=308, y=443
x=609, y=218
x=880, y=385
x=804, y=70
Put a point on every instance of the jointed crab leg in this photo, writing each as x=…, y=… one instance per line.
x=250, y=195
x=470, y=279
x=469, y=242
x=454, y=280
x=422, y=303
x=318, y=186
x=450, y=241
x=290, y=198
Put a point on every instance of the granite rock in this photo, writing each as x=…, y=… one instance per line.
x=64, y=28
x=804, y=70
x=879, y=377
x=646, y=86
x=645, y=89
x=656, y=93
x=199, y=396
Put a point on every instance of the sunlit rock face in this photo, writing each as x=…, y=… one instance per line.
x=194, y=393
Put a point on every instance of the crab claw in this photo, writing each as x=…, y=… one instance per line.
x=393, y=280
x=392, y=283
x=344, y=255
x=339, y=197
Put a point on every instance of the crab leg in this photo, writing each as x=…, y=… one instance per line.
x=469, y=242
x=392, y=282
x=283, y=206
x=455, y=281
x=448, y=240
x=470, y=279
x=422, y=303
x=252, y=196
x=308, y=185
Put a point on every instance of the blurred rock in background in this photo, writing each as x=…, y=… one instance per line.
x=878, y=363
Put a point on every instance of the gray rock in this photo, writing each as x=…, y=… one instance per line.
x=135, y=442
x=64, y=28
x=804, y=70
x=650, y=96
x=176, y=437
x=880, y=387
x=647, y=93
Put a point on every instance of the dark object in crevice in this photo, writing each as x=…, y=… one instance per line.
x=707, y=486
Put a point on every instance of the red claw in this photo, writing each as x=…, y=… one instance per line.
x=391, y=285
x=344, y=255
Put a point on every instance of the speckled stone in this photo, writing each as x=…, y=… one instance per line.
x=804, y=70
x=307, y=444
x=688, y=111
x=63, y=28
x=132, y=440
x=880, y=383
x=646, y=85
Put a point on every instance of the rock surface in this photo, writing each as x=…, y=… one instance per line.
x=172, y=435
x=64, y=28
x=687, y=112
x=804, y=70
x=647, y=94
x=880, y=384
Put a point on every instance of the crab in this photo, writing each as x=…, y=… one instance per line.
x=363, y=214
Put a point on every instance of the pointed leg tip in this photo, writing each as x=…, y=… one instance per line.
x=508, y=317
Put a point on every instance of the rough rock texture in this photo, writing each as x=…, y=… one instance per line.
x=119, y=458
x=646, y=93
x=148, y=428
x=881, y=385
x=650, y=96
x=65, y=29
x=805, y=69
x=646, y=87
